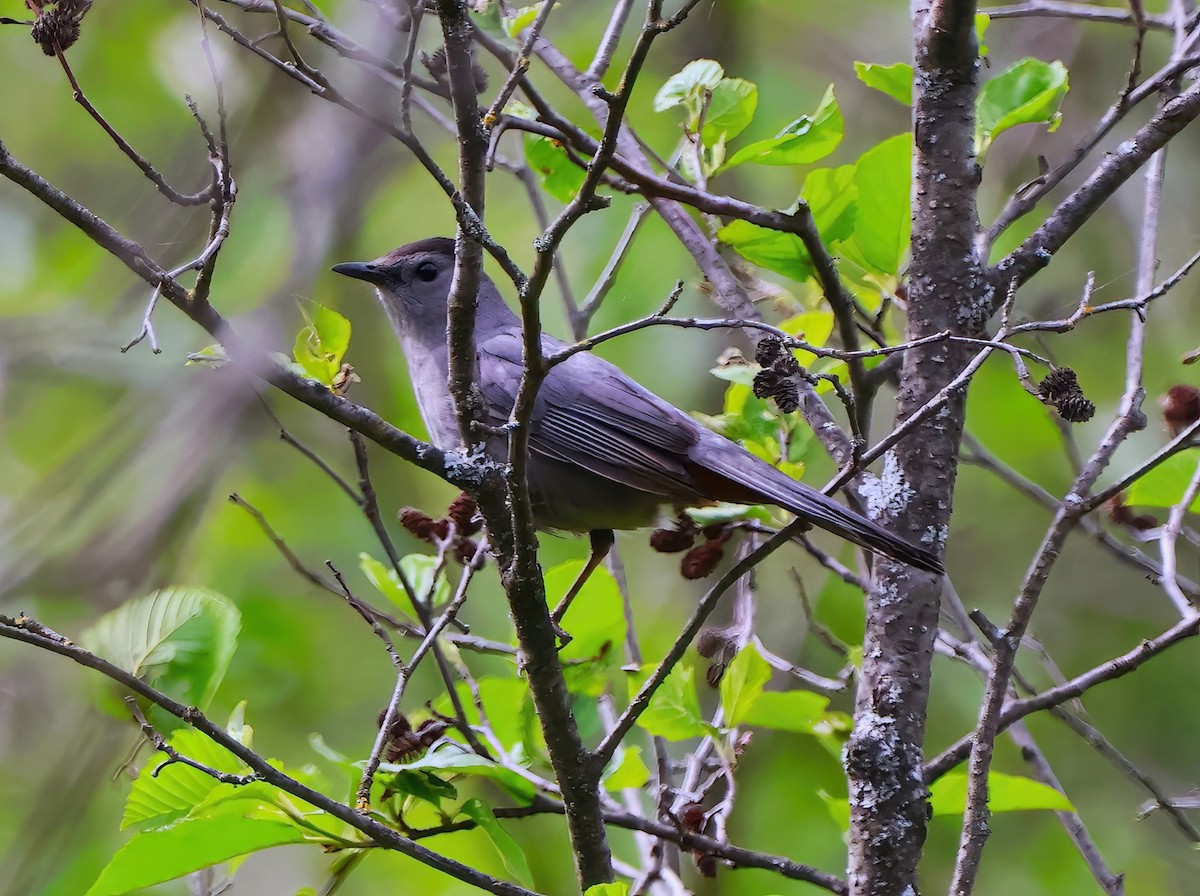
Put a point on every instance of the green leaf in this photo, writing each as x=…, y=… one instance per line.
x=688, y=86
x=506, y=701
x=742, y=684
x=838, y=808
x=510, y=851
x=814, y=327
x=454, y=760
x=674, y=710
x=420, y=570
x=559, y=176
x=520, y=19
x=385, y=580
x=1006, y=793
x=1164, y=485
x=783, y=253
x=1027, y=92
x=807, y=139
x=210, y=356
x=726, y=513
x=750, y=418
x=831, y=196
x=982, y=21
x=596, y=620
x=883, y=222
x=178, y=639
x=163, y=854
x=322, y=342
x=178, y=788
x=626, y=770
x=896, y=80
x=615, y=889
x=424, y=785
x=730, y=109
x=801, y=712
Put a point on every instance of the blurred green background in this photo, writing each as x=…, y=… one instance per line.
x=115, y=468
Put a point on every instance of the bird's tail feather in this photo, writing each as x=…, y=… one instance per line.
x=764, y=484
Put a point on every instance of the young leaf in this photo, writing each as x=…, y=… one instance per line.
x=774, y=250
x=385, y=580
x=730, y=109
x=520, y=19
x=1006, y=793
x=615, y=889
x=814, y=327
x=838, y=809
x=883, y=222
x=596, y=619
x=210, y=356
x=801, y=712
x=510, y=851
x=896, y=80
x=686, y=87
x=830, y=194
x=507, y=703
x=1164, y=485
x=166, y=853
x=560, y=177
x=742, y=684
x=805, y=140
x=424, y=785
x=177, y=788
x=1028, y=92
x=419, y=569
x=674, y=710
x=453, y=760
x=982, y=20
x=832, y=197
x=627, y=770
x=179, y=639
x=322, y=342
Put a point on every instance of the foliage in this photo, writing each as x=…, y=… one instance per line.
x=117, y=467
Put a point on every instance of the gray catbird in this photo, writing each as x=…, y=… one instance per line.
x=605, y=453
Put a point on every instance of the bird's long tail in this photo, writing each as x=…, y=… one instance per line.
x=760, y=483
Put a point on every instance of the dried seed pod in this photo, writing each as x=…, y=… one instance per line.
x=1058, y=384
x=701, y=561
x=402, y=742
x=691, y=818
x=672, y=541
x=1061, y=389
x=778, y=386
x=344, y=379
x=787, y=397
x=464, y=513
x=1180, y=407
x=786, y=365
x=465, y=550
x=766, y=381
x=1120, y=513
x=58, y=25
x=1076, y=409
x=435, y=63
x=419, y=523
x=714, y=641
x=769, y=349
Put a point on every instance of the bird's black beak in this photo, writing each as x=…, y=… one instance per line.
x=359, y=270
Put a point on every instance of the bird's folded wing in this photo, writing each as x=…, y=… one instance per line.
x=591, y=414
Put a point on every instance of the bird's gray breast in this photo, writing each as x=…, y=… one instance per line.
x=571, y=498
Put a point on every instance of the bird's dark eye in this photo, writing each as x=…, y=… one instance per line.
x=426, y=271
